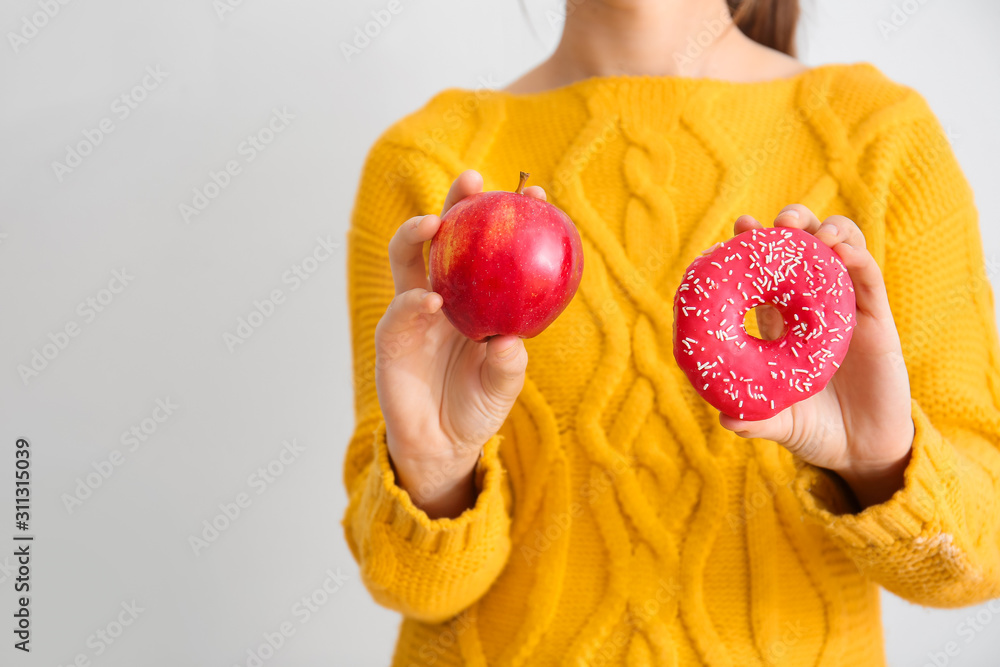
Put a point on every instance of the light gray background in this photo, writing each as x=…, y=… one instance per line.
x=162, y=337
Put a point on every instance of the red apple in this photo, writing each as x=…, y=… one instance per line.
x=505, y=263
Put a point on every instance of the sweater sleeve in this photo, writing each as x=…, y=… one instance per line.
x=427, y=569
x=936, y=541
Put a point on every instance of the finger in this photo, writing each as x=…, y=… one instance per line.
x=504, y=367
x=797, y=216
x=770, y=323
x=775, y=428
x=403, y=310
x=535, y=191
x=745, y=223
x=838, y=229
x=469, y=182
x=869, y=287
x=406, y=252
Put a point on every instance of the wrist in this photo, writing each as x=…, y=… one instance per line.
x=442, y=490
x=875, y=483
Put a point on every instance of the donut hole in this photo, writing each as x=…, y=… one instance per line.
x=765, y=316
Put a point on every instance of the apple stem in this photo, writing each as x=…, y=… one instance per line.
x=520, y=186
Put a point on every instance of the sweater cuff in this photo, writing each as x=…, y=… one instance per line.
x=914, y=510
x=390, y=512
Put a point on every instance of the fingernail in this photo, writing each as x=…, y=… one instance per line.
x=827, y=229
x=416, y=223
x=424, y=295
x=791, y=213
x=709, y=250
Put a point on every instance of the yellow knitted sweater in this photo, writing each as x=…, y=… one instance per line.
x=617, y=522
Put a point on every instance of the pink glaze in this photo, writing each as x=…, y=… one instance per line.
x=743, y=376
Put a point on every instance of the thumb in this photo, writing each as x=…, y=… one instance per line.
x=775, y=428
x=503, y=369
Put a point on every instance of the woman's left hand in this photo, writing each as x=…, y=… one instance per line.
x=860, y=424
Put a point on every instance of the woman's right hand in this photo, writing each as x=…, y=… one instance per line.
x=442, y=395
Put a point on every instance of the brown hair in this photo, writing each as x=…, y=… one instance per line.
x=768, y=22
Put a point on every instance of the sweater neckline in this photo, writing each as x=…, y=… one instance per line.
x=652, y=80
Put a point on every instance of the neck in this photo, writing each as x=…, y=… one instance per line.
x=689, y=38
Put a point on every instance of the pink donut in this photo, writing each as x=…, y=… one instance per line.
x=743, y=376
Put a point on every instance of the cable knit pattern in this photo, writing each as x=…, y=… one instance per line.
x=617, y=523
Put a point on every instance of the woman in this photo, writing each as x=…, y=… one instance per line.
x=569, y=499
